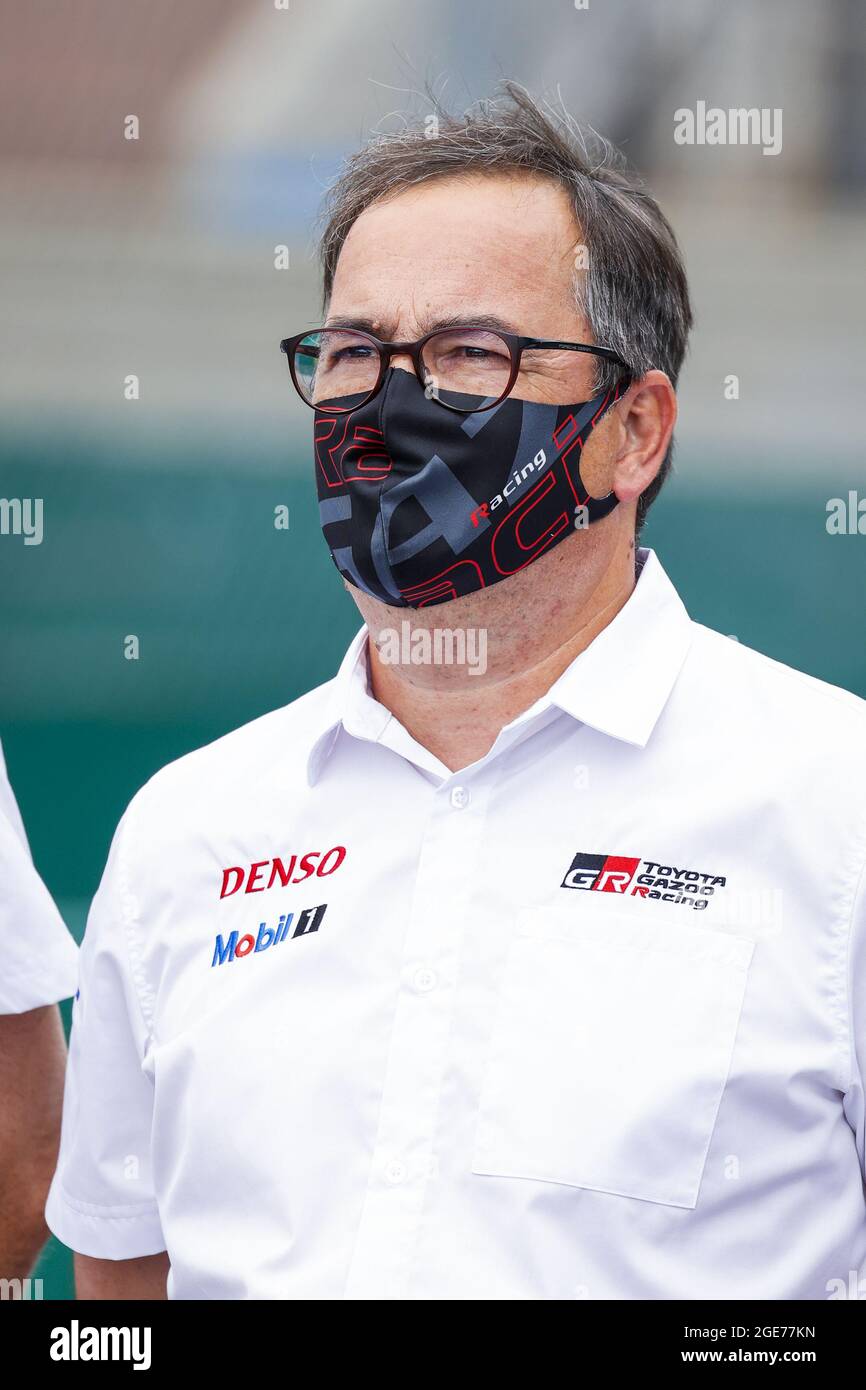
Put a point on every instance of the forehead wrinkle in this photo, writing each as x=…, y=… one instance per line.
x=427, y=322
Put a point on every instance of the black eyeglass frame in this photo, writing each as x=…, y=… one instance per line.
x=514, y=342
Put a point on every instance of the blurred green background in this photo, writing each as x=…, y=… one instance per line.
x=157, y=258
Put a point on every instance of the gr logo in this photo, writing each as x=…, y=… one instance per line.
x=601, y=873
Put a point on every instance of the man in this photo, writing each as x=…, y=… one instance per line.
x=38, y=967
x=527, y=973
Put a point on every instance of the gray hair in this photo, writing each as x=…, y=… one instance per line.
x=633, y=293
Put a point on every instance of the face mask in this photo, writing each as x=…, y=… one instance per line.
x=420, y=505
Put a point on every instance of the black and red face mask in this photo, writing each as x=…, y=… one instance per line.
x=420, y=505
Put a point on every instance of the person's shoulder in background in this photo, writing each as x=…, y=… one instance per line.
x=38, y=956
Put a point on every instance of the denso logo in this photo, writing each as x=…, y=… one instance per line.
x=237, y=946
x=256, y=879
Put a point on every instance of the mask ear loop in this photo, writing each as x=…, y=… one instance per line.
x=603, y=505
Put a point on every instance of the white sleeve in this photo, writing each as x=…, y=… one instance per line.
x=855, y=1095
x=101, y=1201
x=38, y=957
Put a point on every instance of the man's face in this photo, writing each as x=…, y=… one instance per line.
x=480, y=247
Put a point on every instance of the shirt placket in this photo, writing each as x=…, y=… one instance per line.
x=404, y=1161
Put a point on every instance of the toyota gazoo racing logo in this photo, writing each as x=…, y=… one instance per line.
x=642, y=878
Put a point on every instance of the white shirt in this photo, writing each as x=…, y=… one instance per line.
x=38, y=957
x=582, y=1020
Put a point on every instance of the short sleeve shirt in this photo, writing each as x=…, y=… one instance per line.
x=584, y=1019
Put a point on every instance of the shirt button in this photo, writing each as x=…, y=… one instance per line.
x=395, y=1172
x=459, y=798
x=424, y=979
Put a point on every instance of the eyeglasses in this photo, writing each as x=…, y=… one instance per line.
x=466, y=369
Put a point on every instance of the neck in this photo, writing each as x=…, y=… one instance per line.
x=531, y=638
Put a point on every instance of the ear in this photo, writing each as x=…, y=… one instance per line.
x=645, y=423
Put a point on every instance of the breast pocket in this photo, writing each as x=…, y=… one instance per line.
x=610, y=1051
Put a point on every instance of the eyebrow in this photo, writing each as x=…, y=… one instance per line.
x=431, y=325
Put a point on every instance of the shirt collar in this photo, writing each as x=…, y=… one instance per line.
x=349, y=705
x=619, y=685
